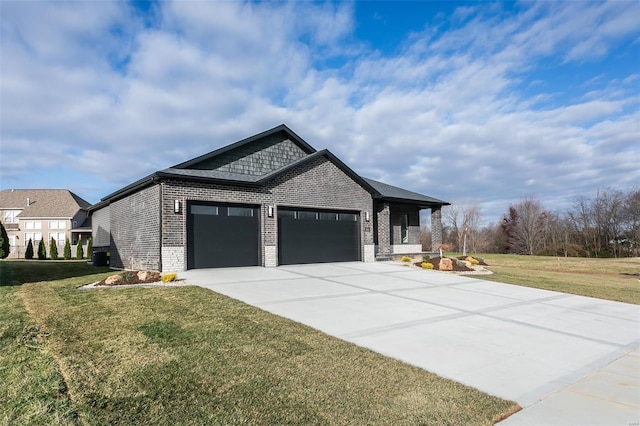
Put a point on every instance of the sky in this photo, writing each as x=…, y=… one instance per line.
x=468, y=102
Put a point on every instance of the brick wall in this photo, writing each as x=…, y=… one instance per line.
x=317, y=184
x=397, y=211
x=135, y=230
x=101, y=228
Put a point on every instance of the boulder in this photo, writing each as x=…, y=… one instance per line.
x=445, y=264
x=149, y=276
x=113, y=280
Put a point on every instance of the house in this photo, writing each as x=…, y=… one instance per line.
x=43, y=213
x=271, y=199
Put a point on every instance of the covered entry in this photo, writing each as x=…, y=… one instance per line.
x=314, y=236
x=222, y=235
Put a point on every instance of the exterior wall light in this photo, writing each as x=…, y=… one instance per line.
x=176, y=206
x=367, y=218
x=270, y=211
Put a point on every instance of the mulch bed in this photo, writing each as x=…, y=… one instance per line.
x=436, y=262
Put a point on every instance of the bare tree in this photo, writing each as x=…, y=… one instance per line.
x=524, y=226
x=464, y=219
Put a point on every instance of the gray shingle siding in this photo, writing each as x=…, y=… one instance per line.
x=135, y=230
x=258, y=159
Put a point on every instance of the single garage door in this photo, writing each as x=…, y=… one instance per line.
x=308, y=236
x=221, y=236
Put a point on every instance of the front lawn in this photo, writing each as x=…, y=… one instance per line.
x=187, y=355
x=611, y=279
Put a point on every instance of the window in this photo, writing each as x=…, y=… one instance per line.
x=35, y=237
x=10, y=216
x=291, y=214
x=240, y=211
x=59, y=237
x=307, y=215
x=328, y=216
x=404, y=229
x=57, y=224
x=208, y=210
x=348, y=217
x=32, y=225
x=12, y=240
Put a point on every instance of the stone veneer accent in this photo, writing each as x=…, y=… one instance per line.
x=406, y=248
x=173, y=259
x=369, y=253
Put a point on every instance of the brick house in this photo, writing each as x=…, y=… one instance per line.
x=271, y=199
x=44, y=214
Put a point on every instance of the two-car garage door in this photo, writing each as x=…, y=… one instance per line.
x=220, y=235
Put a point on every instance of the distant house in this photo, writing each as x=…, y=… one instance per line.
x=43, y=214
x=268, y=200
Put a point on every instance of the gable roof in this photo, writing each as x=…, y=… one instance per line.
x=259, y=167
x=244, y=142
x=49, y=203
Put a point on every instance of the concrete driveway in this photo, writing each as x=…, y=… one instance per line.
x=566, y=359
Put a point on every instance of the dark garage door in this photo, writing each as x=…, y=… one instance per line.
x=306, y=236
x=220, y=236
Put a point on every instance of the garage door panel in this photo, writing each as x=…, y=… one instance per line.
x=317, y=241
x=218, y=241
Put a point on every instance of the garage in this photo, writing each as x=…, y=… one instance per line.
x=222, y=235
x=316, y=236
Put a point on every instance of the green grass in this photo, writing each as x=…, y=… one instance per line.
x=611, y=279
x=187, y=355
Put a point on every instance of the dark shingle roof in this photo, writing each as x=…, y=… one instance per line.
x=393, y=193
x=43, y=202
x=189, y=171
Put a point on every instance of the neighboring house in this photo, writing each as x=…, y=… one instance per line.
x=268, y=200
x=43, y=214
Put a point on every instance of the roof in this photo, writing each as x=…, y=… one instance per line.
x=49, y=203
x=219, y=166
x=393, y=193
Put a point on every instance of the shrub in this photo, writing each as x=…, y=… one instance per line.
x=79, y=250
x=406, y=259
x=426, y=265
x=167, y=278
x=42, y=250
x=90, y=248
x=426, y=258
x=53, y=249
x=28, y=254
x=479, y=259
x=67, y=250
x=4, y=242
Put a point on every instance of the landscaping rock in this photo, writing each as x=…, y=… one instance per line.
x=113, y=280
x=148, y=276
x=446, y=264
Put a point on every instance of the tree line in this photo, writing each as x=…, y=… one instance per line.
x=605, y=225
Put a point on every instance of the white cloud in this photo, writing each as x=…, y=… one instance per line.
x=96, y=92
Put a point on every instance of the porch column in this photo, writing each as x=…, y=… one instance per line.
x=436, y=228
x=384, y=231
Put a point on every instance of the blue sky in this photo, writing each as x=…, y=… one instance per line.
x=468, y=102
